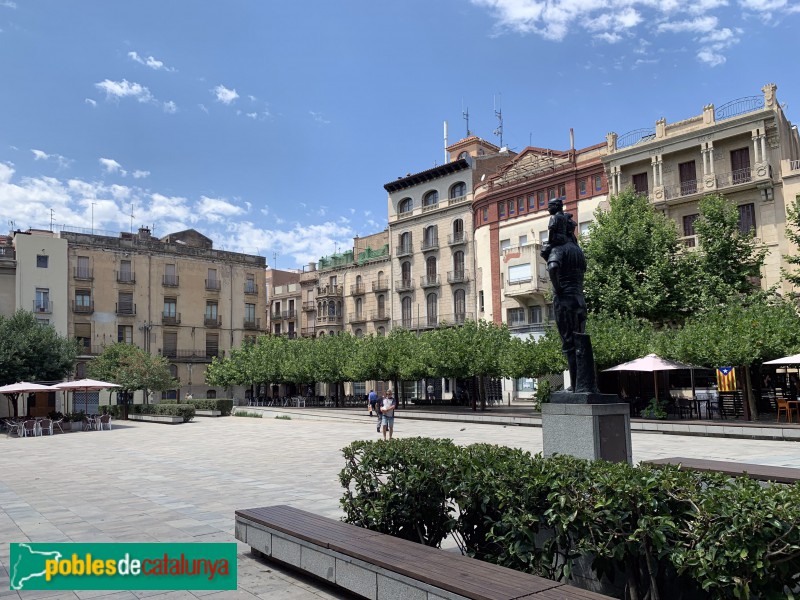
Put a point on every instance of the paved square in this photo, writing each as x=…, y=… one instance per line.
x=148, y=482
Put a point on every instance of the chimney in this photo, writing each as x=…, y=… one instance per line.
x=571, y=139
x=144, y=233
x=312, y=266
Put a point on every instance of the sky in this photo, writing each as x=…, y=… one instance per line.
x=271, y=127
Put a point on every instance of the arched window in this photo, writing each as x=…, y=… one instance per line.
x=359, y=333
x=405, y=272
x=458, y=262
x=405, y=305
x=460, y=305
x=430, y=237
x=430, y=267
x=173, y=371
x=359, y=307
x=405, y=205
x=381, y=332
x=211, y=394
x=404, y=241
x=321, y=334
x=458, y=231
x=463, y=154
x=359, y=281
x=431, y=198
x=458, y=190
x=338, y=308
x=431, y=310
x=381, y=305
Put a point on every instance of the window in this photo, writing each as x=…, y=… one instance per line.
x=463, y=154
x=534, y=314
x=523, y=240
x=640, y=185
x=598, y=183
x=170, y=307
x=125, y=334
x=404, y=243
x=516, y=317
x=458, y=263
x=688, y=224
x=83, y=271
x=83, y=299
x=458, y=231
x=430, y=237
x=381, y=331
x=501, y=209
x=250, y=313
x=405, y=205
x=519, y=273
x=740, y=165
x=125, y=304
x=485, y=215
x=747, y=218
x=211, y=394
x=359, y=307
x=250, y=284
x=212, y=344
x=551, y=315
x=41, y=261
x=688, y=178
x=480, y=300
x=405, y=311
x=381, y=306
x=511, y=207
x=532, y=202
x=520, y=204
x=505, y=245
x=458, y=190
x=460, y=305
x=80, y=370
x=543, y=237
x=170, y=344
x=83, y=333
x=213, y=282
x=211, y=310
x=540, y=196
x=126, y=271
x=430, y=268
x=431, y=198
x=405, y=272
x=583, y=228
x=582, y=186
x=431, y=310
x=170, y=275
x=562, y=191
x=551, y=193
x=359, y=333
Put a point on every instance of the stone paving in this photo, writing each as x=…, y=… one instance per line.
x=148, y=482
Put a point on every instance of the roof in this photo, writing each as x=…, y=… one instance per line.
x=408, y=181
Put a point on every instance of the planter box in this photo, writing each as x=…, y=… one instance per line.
x=172, y=420
x=208, y=413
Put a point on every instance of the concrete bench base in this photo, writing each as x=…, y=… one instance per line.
x=208, y=413
x=172, y=420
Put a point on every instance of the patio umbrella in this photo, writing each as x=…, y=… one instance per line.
x=85, y=385
x=653, y=363
x=794, y=359
x=15, y=389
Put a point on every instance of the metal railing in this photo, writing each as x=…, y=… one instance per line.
x=430, y=244
x=382, y=285
x=794, y=165
x=212, y=321
x=379, y=315
x=461, y=276
x=250, y=287
x=125, y=277
x=213, y=285
x=84, y=273
x=7, y=252
x=429, y=281
x=433, y=321
x=636, y=136
x=170, y=319
x=125, y=308
x=254, y=323
x=83, y=308
x=737, y=107
x=457, y=238
x=357, y=317
x=404, y=285
x=309, y=306
x=357, y=289
x=403, y=250
x=330, y=290
x=191, y=354
x=170, y=280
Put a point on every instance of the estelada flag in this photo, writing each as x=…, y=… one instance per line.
x=726, y=379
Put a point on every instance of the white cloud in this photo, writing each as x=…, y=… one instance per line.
x=611, y=38
x=710, y=57
x=8, y=4
x=90, y=102
x=124, y=89
x=203, y=108
x=252, y=115
x=62, y=161
x=150, y=61
x=170, y=107
x=318, y=117
x=698, y=25
x=140, y=174
x=225, y=95
x=217, y=210
x=112, y=166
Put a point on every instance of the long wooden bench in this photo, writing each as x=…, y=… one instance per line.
x=378, y=566
x=735, y=469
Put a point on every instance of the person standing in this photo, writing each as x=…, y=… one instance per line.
x=387, y=408
x=372, y=400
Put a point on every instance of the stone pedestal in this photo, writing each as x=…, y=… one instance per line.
x=589, y=431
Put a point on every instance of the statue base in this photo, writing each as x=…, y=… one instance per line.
x=587, y=430
x=568, y=397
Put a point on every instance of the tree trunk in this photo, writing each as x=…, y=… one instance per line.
x=748, y=395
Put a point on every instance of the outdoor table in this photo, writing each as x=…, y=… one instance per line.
x=794, y=406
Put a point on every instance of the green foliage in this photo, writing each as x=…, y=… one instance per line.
x=30, y=351
x=793, y=235
x=176, y=410
x=666, y=532
x=245, y=413
x=655, y=409
x=634, y=267
x=224, y=405
x=114, y=410
x=132, y=368
x=543, y=391
x=617, y=339
x=283, y=417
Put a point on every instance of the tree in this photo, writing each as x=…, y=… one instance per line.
x=617, y=339
x=532, y=357
x=793, y=235
x=728, y=262
x=329, y=353
x=132, y=368
x=634, y=266
x=409, y=358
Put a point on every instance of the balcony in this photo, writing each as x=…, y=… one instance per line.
x=125, y=277
x=212, y=322
x=83, y=308
x=526, y=287
x=522, y=327
x=404, y=285
x=460, y=276
x=213, y=285
x=251, y=288
x=456, y=239
x=358, y=289
x=307, y=332
x=190, y=355
x=430, y=245
x=404, y=250
x=170, y=280
x=357, y=317
x=379, y=315
x=83, y=273
x=170, y=319
x=7, y=253
x=310, y=306
x=252, y=323
x=382, y=285
x=434, y=321
x=329, y=319
x=330, y=290
x=86, y=349
x=721, y=182
x=429, y=207
x=429, y=281
x=126, y=309
x=457, y=318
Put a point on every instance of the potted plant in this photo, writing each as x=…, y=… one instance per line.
x=654, y=410
x=66, y=424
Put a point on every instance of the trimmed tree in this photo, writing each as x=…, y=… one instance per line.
x=793, y=235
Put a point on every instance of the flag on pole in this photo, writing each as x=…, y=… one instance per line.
x=726, y=379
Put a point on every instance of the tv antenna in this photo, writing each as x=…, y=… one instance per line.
x=131, y=217
x=465, y=114
x=498, y=112
x=274, y=260
x=52, y=215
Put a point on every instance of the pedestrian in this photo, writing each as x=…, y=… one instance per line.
x=387, y=408
x=372, y=400
x=430, y=392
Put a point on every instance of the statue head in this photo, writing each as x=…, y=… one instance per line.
x=555, y=205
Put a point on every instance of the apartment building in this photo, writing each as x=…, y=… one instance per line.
x=176, y=296
x=431, y=233
x=40, y=281
x=283, y=300
x=511, y=218
x=8, y=276
x=745, y=149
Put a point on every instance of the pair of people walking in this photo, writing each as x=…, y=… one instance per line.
x=384, y=408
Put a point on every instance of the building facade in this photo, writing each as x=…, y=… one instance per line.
x=283, y=300
x=41, y=277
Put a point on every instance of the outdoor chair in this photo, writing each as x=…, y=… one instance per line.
x=785, y=408
x=105, y=421
x=46, y=425
x=12, y=427
x=58, y=424
x=88, y=423
x=30, y=428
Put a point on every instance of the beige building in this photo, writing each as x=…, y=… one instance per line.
x=745, y=149
x=41, y=277
x=176, y=296
x=283, y=301
x=8, y=277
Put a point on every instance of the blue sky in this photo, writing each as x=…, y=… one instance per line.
x=271, y=126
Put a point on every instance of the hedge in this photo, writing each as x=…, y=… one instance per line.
x=180, y=410
x=654, y=532
x=224, y=405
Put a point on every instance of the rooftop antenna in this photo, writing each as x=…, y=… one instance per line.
x=274, y=260
x=465, y=114
x=446, y=155
x=11, y=224
x=52, y=214
x=498, y=112
x=131, y=218
x=530, y=138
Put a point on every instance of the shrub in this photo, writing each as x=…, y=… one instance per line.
x=177, y=410
x=114, y=410
x=244, y=413
x=224, y=405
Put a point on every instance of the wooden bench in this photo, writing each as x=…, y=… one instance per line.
x=378, y=566
x=759, y=472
